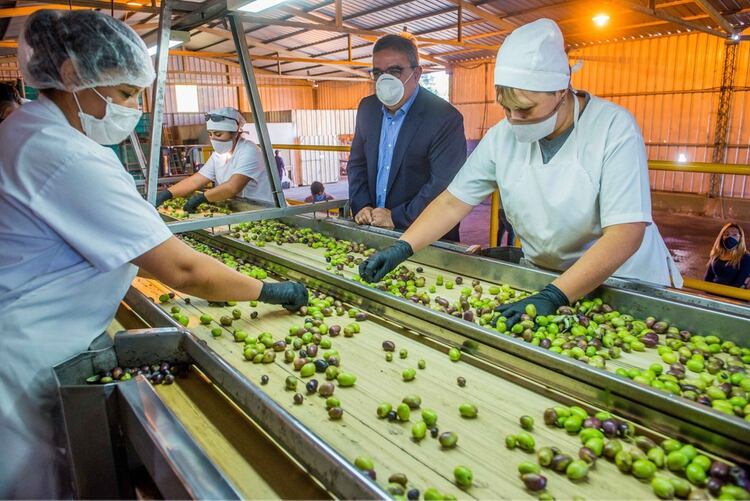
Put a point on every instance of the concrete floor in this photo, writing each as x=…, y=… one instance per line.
x=688, y=237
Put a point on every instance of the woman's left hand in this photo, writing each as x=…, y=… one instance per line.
x=544, y=302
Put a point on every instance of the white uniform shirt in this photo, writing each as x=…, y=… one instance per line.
x=599, y=178
x=245, y=160
x=71, y=221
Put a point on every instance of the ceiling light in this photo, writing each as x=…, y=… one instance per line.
x=682, y=158
x=736, y=37
x=252, y=6
x=176, y=38
x=600, y=19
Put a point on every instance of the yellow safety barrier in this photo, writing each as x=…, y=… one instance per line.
x=311, y=147
x=709, y=168
x=717, y=289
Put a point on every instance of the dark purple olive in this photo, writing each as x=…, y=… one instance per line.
x=587, y=455
x=469, y=316
x=333, y=361
x=335, y=413
x=302, y=353
x=592, y=422
x=168, y=379
x=392, y=416
x=360, y=317
x=545, y=343
x=312, y=386
x=371, y=474
x=739, y=477
x=625, y=430
x=164, y=366
x=389, y=346
x=560, y=462
x=458, y=280
x=334, y=330
x=565, y=310
x=660, y=327
x=320, y=365
x=650, y=339
x=703, y=399
x=550, y=416
x=534, y=482
x=583, y=320
x=312, y=350
x=719, y=469
x=714, y=485
x=609, y=427
x=157, y=378
x=117, y=373
x=264, y=379
x=685, y=335
x=298, y=399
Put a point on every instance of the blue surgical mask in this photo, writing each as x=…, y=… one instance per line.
x=730, y=243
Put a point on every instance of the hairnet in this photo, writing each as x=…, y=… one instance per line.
x=102, y=51
x=533, y=58
x=233, y=125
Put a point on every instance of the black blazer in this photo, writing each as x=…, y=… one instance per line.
x=430, y=150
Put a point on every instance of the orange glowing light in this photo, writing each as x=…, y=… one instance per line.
x=600, y=19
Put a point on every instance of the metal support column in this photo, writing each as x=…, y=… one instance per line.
x=253, y=95
x=723, y=116
x=157, y=100
x=138, y=152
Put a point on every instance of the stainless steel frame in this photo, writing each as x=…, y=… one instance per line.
x=670, y=414
x=157, y=100
x=256, y=106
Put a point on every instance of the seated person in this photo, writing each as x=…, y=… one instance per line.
x=318, y=193
x=730, y=262
x=408, y=143
x=235, y=167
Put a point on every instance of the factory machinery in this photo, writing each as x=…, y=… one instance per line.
x=235, y=425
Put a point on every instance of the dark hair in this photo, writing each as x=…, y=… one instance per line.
x=276, y=152
x=9, y=93
x=317, y=188
x=399, y=44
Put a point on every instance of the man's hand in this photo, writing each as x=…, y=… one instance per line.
x=290, y=295
x=364, y=216
x=378, y=265
x=192, y=205
x=544, y=302
x=382, y=218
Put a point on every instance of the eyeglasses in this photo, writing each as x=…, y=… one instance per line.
x=394, y=71
x=219, y=118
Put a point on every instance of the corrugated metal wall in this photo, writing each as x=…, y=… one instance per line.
x=341, y=95
x=670, y=84
x=326, y=127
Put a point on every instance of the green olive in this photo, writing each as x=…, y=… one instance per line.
x=544, y=456
x=205, y=319
x=463, y=476
x=384, y=409
x=402, y=353
x=656, y=455
x=624, y=461
x=671, y=445
x=432, y=494
x=468, y=410
x=662, y=487
x=577, y=470
x=528, y=467
x=332, y=402
x=695, y=474
x=413, y=401
x=525, y=441
x=527, y=422
x=681, y=487
x=677, y=461
x=429, y=417
x=611, y=449
x=216, y=331
x=345, y=379
x=332, y=372
x=454, y=354
x=643, y=469
x=403, y=412
x=421, y=364
x=307, y=370
x=409, y=374
x=511, y=442
x=573, y=424
x=291, y=383
x=364, y=463
x=703, y=461
x=596, y=445
x=448, y=439
x=419, y=430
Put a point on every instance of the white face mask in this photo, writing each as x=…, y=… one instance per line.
x=531, y=132
x=390, y=89
x=116, y=125
x=222, y=147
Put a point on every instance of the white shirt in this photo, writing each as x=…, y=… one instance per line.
x=245, y=160
x=599, y=178
x=71, y=221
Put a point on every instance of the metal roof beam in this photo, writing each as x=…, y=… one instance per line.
x=714, y=14
x=669, y=18
x=495, y=20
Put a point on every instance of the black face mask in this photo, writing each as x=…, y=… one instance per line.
x=730, y=243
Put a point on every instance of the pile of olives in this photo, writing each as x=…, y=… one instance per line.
x=162, y=373
x=174, y=208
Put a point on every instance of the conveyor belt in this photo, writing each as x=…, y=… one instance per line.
x=501, y=397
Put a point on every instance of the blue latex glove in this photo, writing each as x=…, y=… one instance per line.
x=162, y=197
x=192, y=204
x=375, y=267
x=290, y=295
x=546, y=301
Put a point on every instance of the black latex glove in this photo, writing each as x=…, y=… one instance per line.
x=546, y=301
x=192, y=204
x=162, y=197
x=375, y=267
x=290, y=295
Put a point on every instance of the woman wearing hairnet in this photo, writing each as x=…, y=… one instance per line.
x=235, y=167
x=572, y=174
x=74, y=230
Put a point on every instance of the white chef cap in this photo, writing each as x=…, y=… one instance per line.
x=230, y=119
x=533, y=58
x=102, y=50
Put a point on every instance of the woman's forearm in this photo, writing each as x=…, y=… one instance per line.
x=188, y=185
x=228, y=189
x=597, y=264
x=212, y=280
x=443, y=213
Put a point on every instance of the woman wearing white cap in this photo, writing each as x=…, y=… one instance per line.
x=572, y=174
x=235, y=167
x=74, y=230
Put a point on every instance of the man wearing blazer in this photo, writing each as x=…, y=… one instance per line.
x=408, y=143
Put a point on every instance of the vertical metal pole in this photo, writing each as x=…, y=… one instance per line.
x=339, y=14
x=723, y=116
x=140, y=157
x=253, y=95
x=495, y=218
x=157, y=101
x=460, y=21
x=349, y=46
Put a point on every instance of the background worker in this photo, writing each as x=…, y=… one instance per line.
x=572, y=174
x=235, y=167
x=408, y=143
x=729, y=263
x=10, y=100
x=74, y=230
